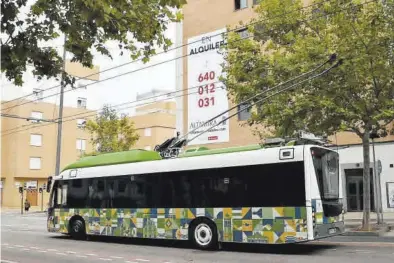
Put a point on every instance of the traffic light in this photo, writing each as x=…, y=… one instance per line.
x=20, y=189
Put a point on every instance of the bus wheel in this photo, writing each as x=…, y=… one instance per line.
x=77, y=230
x=204, y=234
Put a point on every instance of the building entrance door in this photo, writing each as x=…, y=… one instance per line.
x=31, y=196
x=355, y=190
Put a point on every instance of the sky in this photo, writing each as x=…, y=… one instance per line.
x=116, y=91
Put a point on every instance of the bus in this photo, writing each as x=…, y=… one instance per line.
x=250, y=194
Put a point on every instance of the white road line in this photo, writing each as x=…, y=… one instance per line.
x=141, y=259
x=131, y=262
x=63, y=254
x=81, y=256
x=116, y=257
x=35, y=248
x=363, y=251
x=5, y=244
x=105, y=259
x=91, y=255
x=10, y=247
x=52, y=249
x=8, y=261
x=26, y=249
x=42, y=251
x=71, y=252
x=19, y=246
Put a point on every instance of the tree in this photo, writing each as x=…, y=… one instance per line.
x=290, y=39
x=111, y=133
x=137, y=26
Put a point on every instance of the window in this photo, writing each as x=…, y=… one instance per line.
x=256, y=2
x=35, y=163
x=81, y=144
x=243, y=113
x=35, y=139
x=81, y=123
x=81, y=103
x=38, y=94
x=240, y=4
x=243, y=33
x=36, y=115
x=148, y=132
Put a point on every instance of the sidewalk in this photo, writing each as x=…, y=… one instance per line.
x=33, y=209
x=355, y=218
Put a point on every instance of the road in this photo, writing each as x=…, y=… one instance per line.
x=24, y=239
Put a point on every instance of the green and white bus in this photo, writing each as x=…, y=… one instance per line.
x=248, y=194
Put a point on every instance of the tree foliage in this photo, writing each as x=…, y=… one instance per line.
x=290, y=39
x=136, y=25
x=111, y=133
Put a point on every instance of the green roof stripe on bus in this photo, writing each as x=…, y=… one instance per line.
x=115, y=158
x=221, y=150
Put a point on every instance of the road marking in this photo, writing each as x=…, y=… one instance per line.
x=19, y=246
x=52, y=249
x=59, y=253
x=42, y=251
x=81, y=256
x=106, y=259
x=5, y=244
x=131, y=262
x=7, y=261
x=71, y=252
x=10, y=247
x=141, y=259
x=26, y=249
x=116, y=257
x=91, y=255
x=363, y=251
x=34, y=247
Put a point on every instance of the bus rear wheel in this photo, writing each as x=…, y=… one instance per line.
x=204, y=235
x=77, y=229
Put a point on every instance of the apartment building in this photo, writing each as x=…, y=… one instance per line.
x=28, y=146
x=203, y=23
x=155, y=121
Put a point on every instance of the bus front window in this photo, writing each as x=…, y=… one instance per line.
x=326, y=164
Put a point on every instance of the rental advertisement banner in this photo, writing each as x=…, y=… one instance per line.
x=207, y=95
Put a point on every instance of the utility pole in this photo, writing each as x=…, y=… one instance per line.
x=60, y=119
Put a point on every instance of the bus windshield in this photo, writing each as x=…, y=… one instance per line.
x=326, y=164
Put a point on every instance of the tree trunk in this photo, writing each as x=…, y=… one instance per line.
x=366, y=182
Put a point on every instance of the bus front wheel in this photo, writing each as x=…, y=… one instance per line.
x=204, y=234
x=77, y=229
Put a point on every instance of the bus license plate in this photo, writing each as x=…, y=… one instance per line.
x=332, y=231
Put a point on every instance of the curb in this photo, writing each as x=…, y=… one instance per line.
x=377, y=233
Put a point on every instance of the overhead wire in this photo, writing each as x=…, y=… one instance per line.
x=169, y=50
x=188, y=55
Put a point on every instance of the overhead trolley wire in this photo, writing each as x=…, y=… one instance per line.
x=134, y=61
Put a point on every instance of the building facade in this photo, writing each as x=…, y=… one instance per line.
x=155, y=121
x=203, y=23
x=28, y=146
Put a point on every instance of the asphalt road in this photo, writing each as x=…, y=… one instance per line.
x=24, y=239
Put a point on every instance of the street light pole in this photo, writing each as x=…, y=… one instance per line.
x=60, y=119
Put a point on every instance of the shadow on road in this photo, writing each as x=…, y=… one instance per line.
x=287, y=249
